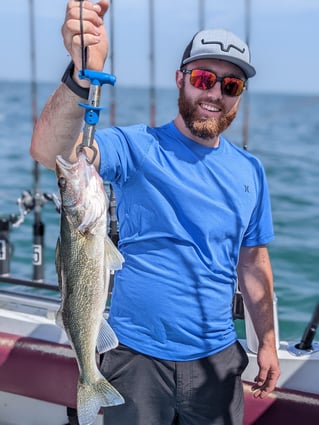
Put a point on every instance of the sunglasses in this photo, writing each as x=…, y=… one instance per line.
x=205, y=80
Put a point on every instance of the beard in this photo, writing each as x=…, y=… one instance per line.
x=205, y=128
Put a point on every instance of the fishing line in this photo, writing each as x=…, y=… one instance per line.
x=83, y=48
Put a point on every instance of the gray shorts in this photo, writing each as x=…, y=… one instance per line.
x=207, y=391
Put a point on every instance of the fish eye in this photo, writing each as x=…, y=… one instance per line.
x=62, y=182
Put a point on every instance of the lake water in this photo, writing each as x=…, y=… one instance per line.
x=283, y=133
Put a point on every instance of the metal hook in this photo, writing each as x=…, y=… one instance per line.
x=82, y=147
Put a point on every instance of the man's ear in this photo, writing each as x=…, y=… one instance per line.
x=179, y=78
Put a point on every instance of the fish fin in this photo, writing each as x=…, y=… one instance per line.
x=91, y=246
x=58, y=266
x=113, y=257
x=107, y=338
x=58, y=263
x=91, y=397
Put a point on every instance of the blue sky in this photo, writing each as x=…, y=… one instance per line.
x=284, y=39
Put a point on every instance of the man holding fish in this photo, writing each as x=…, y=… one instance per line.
x=194, y=216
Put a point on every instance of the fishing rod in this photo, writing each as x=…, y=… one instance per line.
x=247, y=100
x=152, y=64
x=28, y=201
x=310, y=332
x=113, y=231
x=201, y=14
x=38, y=225
x=5, y=246
x=112, y=62
x=238, y=302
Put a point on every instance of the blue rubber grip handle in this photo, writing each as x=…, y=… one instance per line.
x=97, y=78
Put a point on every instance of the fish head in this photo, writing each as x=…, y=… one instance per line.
x=83, y=198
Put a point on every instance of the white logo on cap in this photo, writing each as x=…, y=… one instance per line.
x=224, y=49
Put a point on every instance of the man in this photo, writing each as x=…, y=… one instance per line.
x=194, y=215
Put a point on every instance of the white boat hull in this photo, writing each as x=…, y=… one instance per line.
x=37, y=365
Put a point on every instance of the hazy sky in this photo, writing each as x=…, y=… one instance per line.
x=284, y=39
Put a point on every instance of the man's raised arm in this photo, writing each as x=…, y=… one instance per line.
x=57, y=131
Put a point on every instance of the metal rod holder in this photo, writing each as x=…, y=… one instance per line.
x=5, y=247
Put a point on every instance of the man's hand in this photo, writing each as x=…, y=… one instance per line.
x=94, y=34
x=256, y=284
x=269, y=372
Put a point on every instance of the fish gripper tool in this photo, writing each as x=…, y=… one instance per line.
x=92, y=108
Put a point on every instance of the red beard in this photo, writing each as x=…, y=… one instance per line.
x=205, y=128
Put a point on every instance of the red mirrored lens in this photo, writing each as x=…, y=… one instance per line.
x=232, y=86
x=205, y=80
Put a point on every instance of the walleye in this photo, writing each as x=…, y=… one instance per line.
x=84, y=258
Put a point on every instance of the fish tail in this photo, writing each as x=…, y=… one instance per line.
x=91, y=397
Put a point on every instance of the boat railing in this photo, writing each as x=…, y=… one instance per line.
x=42, y=306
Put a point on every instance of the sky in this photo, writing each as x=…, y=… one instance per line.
x=284, y=37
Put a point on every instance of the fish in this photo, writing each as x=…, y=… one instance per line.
x=85, y=257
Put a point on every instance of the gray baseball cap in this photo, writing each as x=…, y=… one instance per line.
x=219, y=44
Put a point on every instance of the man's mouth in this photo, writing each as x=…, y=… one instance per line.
x=210, y=108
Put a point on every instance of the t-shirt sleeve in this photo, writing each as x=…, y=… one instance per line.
x=122, y=152
x=260, y=229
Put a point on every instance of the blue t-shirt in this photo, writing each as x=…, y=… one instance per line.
x=184, y=211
